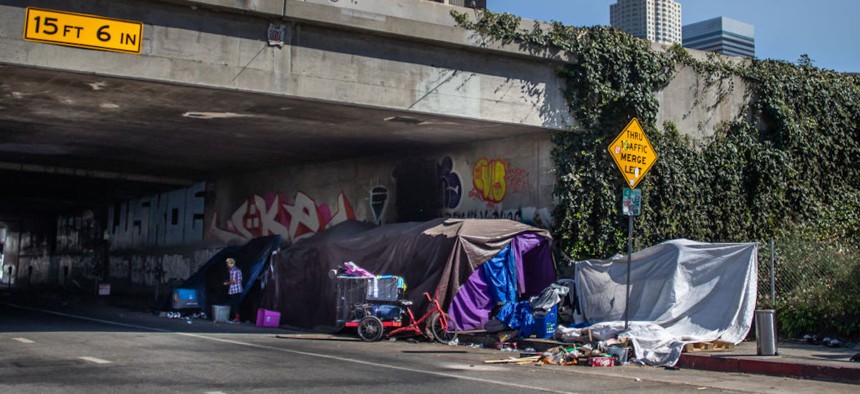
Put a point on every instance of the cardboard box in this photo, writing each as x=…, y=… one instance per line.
x=267, y=318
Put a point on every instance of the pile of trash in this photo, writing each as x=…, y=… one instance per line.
x=595, y=354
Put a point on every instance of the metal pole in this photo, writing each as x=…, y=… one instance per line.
x=629, y=253
x=772, y=281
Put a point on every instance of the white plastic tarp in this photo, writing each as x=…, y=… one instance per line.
x=681, y=291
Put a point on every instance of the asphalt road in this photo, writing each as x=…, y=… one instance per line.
x=59, y=352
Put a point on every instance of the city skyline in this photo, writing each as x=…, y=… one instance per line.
x=785, y=29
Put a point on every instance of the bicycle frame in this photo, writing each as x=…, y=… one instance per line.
x=413, y=326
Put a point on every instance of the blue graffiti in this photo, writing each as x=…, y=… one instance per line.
x=452, y=188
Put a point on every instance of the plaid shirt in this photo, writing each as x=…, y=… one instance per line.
x=235, y=281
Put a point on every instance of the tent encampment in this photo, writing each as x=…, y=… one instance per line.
x=208, y=282
x=681, y=291
x=438, y=257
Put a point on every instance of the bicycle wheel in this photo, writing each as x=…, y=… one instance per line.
x=370, y=329
x=444, y=330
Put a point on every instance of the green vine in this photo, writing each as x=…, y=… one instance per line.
x=788, y=168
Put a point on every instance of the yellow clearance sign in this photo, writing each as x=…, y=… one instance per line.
x=633, y=153
x=84, y=31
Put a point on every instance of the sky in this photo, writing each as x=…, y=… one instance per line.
x=826, y=30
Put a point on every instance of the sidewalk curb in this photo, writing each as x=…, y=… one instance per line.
x=770, y=367
x=715, y=363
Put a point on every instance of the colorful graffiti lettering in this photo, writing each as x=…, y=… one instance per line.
x=488, y=179
x=272, y=215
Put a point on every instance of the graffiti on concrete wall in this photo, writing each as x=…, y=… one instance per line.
x=77, y=233
x=493, y=182
x=162, y=269
x=452, y=187
x=167, y=219
x=493, y=179
x=274, y=214
x=37, y=270
x=378, y=203
x=538, y=217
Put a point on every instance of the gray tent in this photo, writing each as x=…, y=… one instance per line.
x=681, y=292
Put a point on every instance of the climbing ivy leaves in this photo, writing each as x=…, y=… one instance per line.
x=789, y=162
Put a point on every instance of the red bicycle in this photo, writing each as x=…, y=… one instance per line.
x=439, y=326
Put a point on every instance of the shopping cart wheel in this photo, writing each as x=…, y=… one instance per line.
x=370, y=329
x=444, y=331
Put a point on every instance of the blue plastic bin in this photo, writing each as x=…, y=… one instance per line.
x=544, y=327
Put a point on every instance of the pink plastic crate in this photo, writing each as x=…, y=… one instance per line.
x=267, y=318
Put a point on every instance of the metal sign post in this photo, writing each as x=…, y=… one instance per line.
x=631, y=205
x=634, y=156
x=629, y=258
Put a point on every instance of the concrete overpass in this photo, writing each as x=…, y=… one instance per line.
x=210, y=94
x=218, y=121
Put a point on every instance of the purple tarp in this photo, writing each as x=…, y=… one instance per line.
x=535, y=271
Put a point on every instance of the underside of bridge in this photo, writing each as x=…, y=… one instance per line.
x=70, y=141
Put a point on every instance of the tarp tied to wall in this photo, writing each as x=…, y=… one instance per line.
x=681, y=291
x=208, y=281
x=437, y=257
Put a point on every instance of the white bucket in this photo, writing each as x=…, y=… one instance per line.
x=220, y=313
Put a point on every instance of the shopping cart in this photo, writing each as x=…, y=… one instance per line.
x=376, y=307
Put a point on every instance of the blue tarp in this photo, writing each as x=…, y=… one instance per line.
x=501, y=274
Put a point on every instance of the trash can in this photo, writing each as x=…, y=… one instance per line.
x=765, y=332
x=220, y=313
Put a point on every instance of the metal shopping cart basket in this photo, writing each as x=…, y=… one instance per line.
x=358, y=297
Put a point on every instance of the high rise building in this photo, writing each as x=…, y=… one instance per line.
x=721, y=35
x=655, y=20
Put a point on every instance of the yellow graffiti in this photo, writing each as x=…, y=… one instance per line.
x=488, y=177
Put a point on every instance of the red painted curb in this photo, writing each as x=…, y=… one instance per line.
x=770, y=367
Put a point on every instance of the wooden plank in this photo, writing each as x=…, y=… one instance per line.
x=513, y=360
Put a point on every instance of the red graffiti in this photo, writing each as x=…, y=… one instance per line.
x=518, y=180
x=273, y=215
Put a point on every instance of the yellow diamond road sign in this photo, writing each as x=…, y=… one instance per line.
x=633, y=153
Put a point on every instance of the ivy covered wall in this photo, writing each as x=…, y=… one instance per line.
x=786, y=168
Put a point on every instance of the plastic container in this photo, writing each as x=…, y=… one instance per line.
x=619, y=353
x=544, y=326
x=765, y=332
x=185, y=298
x=267, y=318
x=220, y=313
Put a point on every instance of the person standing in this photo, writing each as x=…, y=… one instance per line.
x=234, y=288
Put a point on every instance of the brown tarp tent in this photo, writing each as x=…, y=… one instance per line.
x=436, y=257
